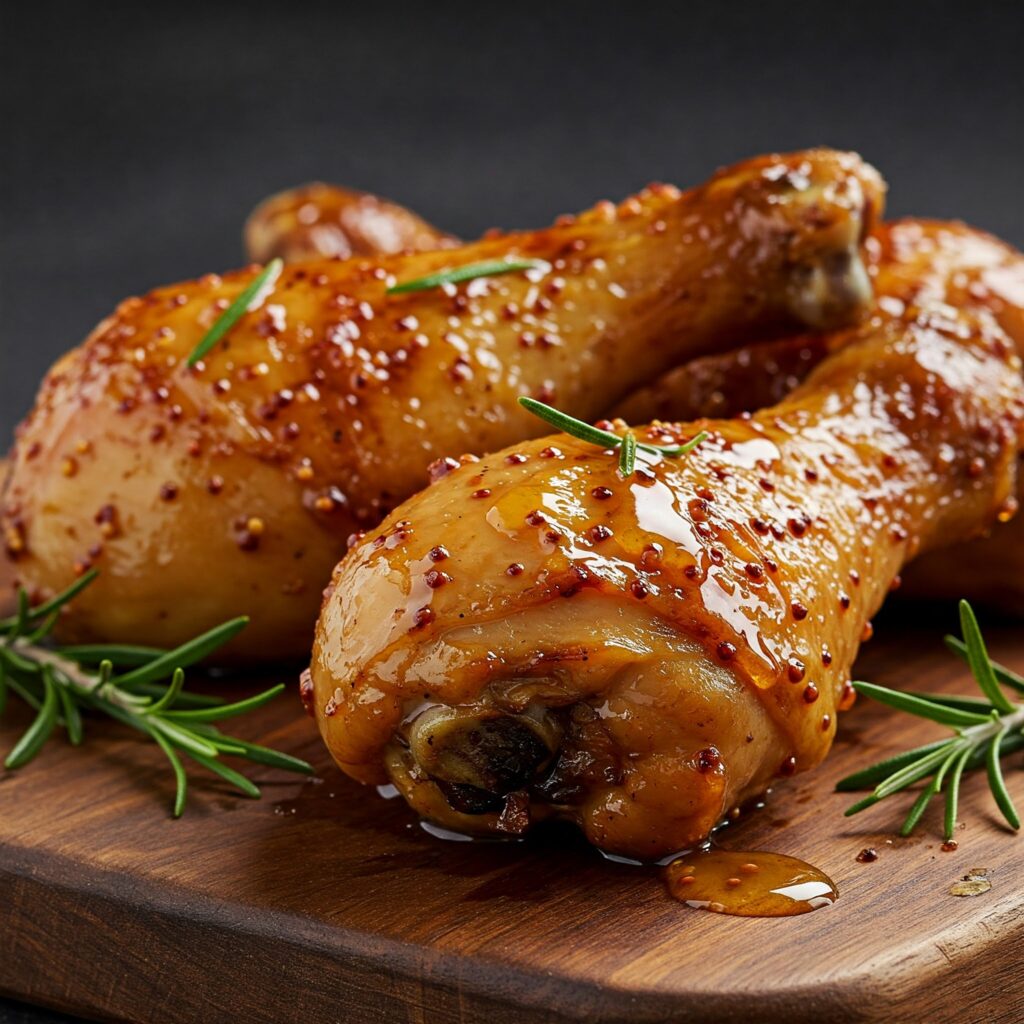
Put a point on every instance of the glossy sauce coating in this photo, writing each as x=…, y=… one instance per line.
x=748, y=884
x=911, y=263
x=230, y=488
x=688, y=632
x=318, y=220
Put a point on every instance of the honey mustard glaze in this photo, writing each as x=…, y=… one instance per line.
x=747, y=884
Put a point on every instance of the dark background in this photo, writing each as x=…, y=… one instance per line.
x=135, y=139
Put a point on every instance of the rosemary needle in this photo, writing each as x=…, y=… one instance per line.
x=627, y=453
x=605, y=438
x=251, y=298
x=486, y=268
x=59, y=683
x=985, y=731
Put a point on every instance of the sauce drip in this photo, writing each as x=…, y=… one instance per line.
x=749, y=884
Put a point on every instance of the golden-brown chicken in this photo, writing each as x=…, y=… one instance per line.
x=326, y=220
x=229, y=488
x=537, y=635
x=911, y=262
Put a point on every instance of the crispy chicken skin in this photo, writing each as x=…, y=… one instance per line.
x=318, y=220
x=536, y=636
x=911, y=262
x=230, y=488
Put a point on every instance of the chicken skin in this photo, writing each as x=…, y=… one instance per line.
x=538, y=636
x=230, y=487
x=911, y=262
x=319, y=220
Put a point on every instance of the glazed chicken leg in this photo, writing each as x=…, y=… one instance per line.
x=230, y=487
x=538, y=636
x=911, y=263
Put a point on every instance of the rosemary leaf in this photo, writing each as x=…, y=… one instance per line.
x=185, y=699
x=675, y=450
x=627, y=454
x=978, y=705
x=862, y=805
x=921, y=707
x=934, y=787
x=169, y=696
x=236, y=779
x=570, y=425
x=181, y=657
x=184, y=738
x=1003, y=674
x=979, y=661
x=251, y=298
x=261, y=755
x=72, y=716
x=883, y=769
x=276, y=759
x=39, y=731
x=215, y=714
x=180, y=778
x=55, y=603
x=996, y=782
x=919, y=807
x=486, y=268
x=21, y=618
x=221, y=743
x=16, y=662
x=1012, y=742
x=909, y=775
x=953, y=794
x=117, y=654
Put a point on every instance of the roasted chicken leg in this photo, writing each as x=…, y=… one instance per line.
x=538, y=636
x=230, y=487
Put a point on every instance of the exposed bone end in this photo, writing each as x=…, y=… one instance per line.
x=478, y=758
x=831, y=291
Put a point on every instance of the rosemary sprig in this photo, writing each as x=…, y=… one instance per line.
x=467, y=272
x=138, y=686
x=251, y=298
x=986, y=730
x=627, y=444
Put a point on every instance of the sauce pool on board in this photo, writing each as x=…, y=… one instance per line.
x=749, y=884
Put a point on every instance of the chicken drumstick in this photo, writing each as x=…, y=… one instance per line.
x=538, y=636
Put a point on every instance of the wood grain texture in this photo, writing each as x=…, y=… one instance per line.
x=325, y=903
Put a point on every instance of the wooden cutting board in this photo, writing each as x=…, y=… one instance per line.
x=324, y=902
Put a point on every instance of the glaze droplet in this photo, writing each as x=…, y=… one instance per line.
x=749, y=884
